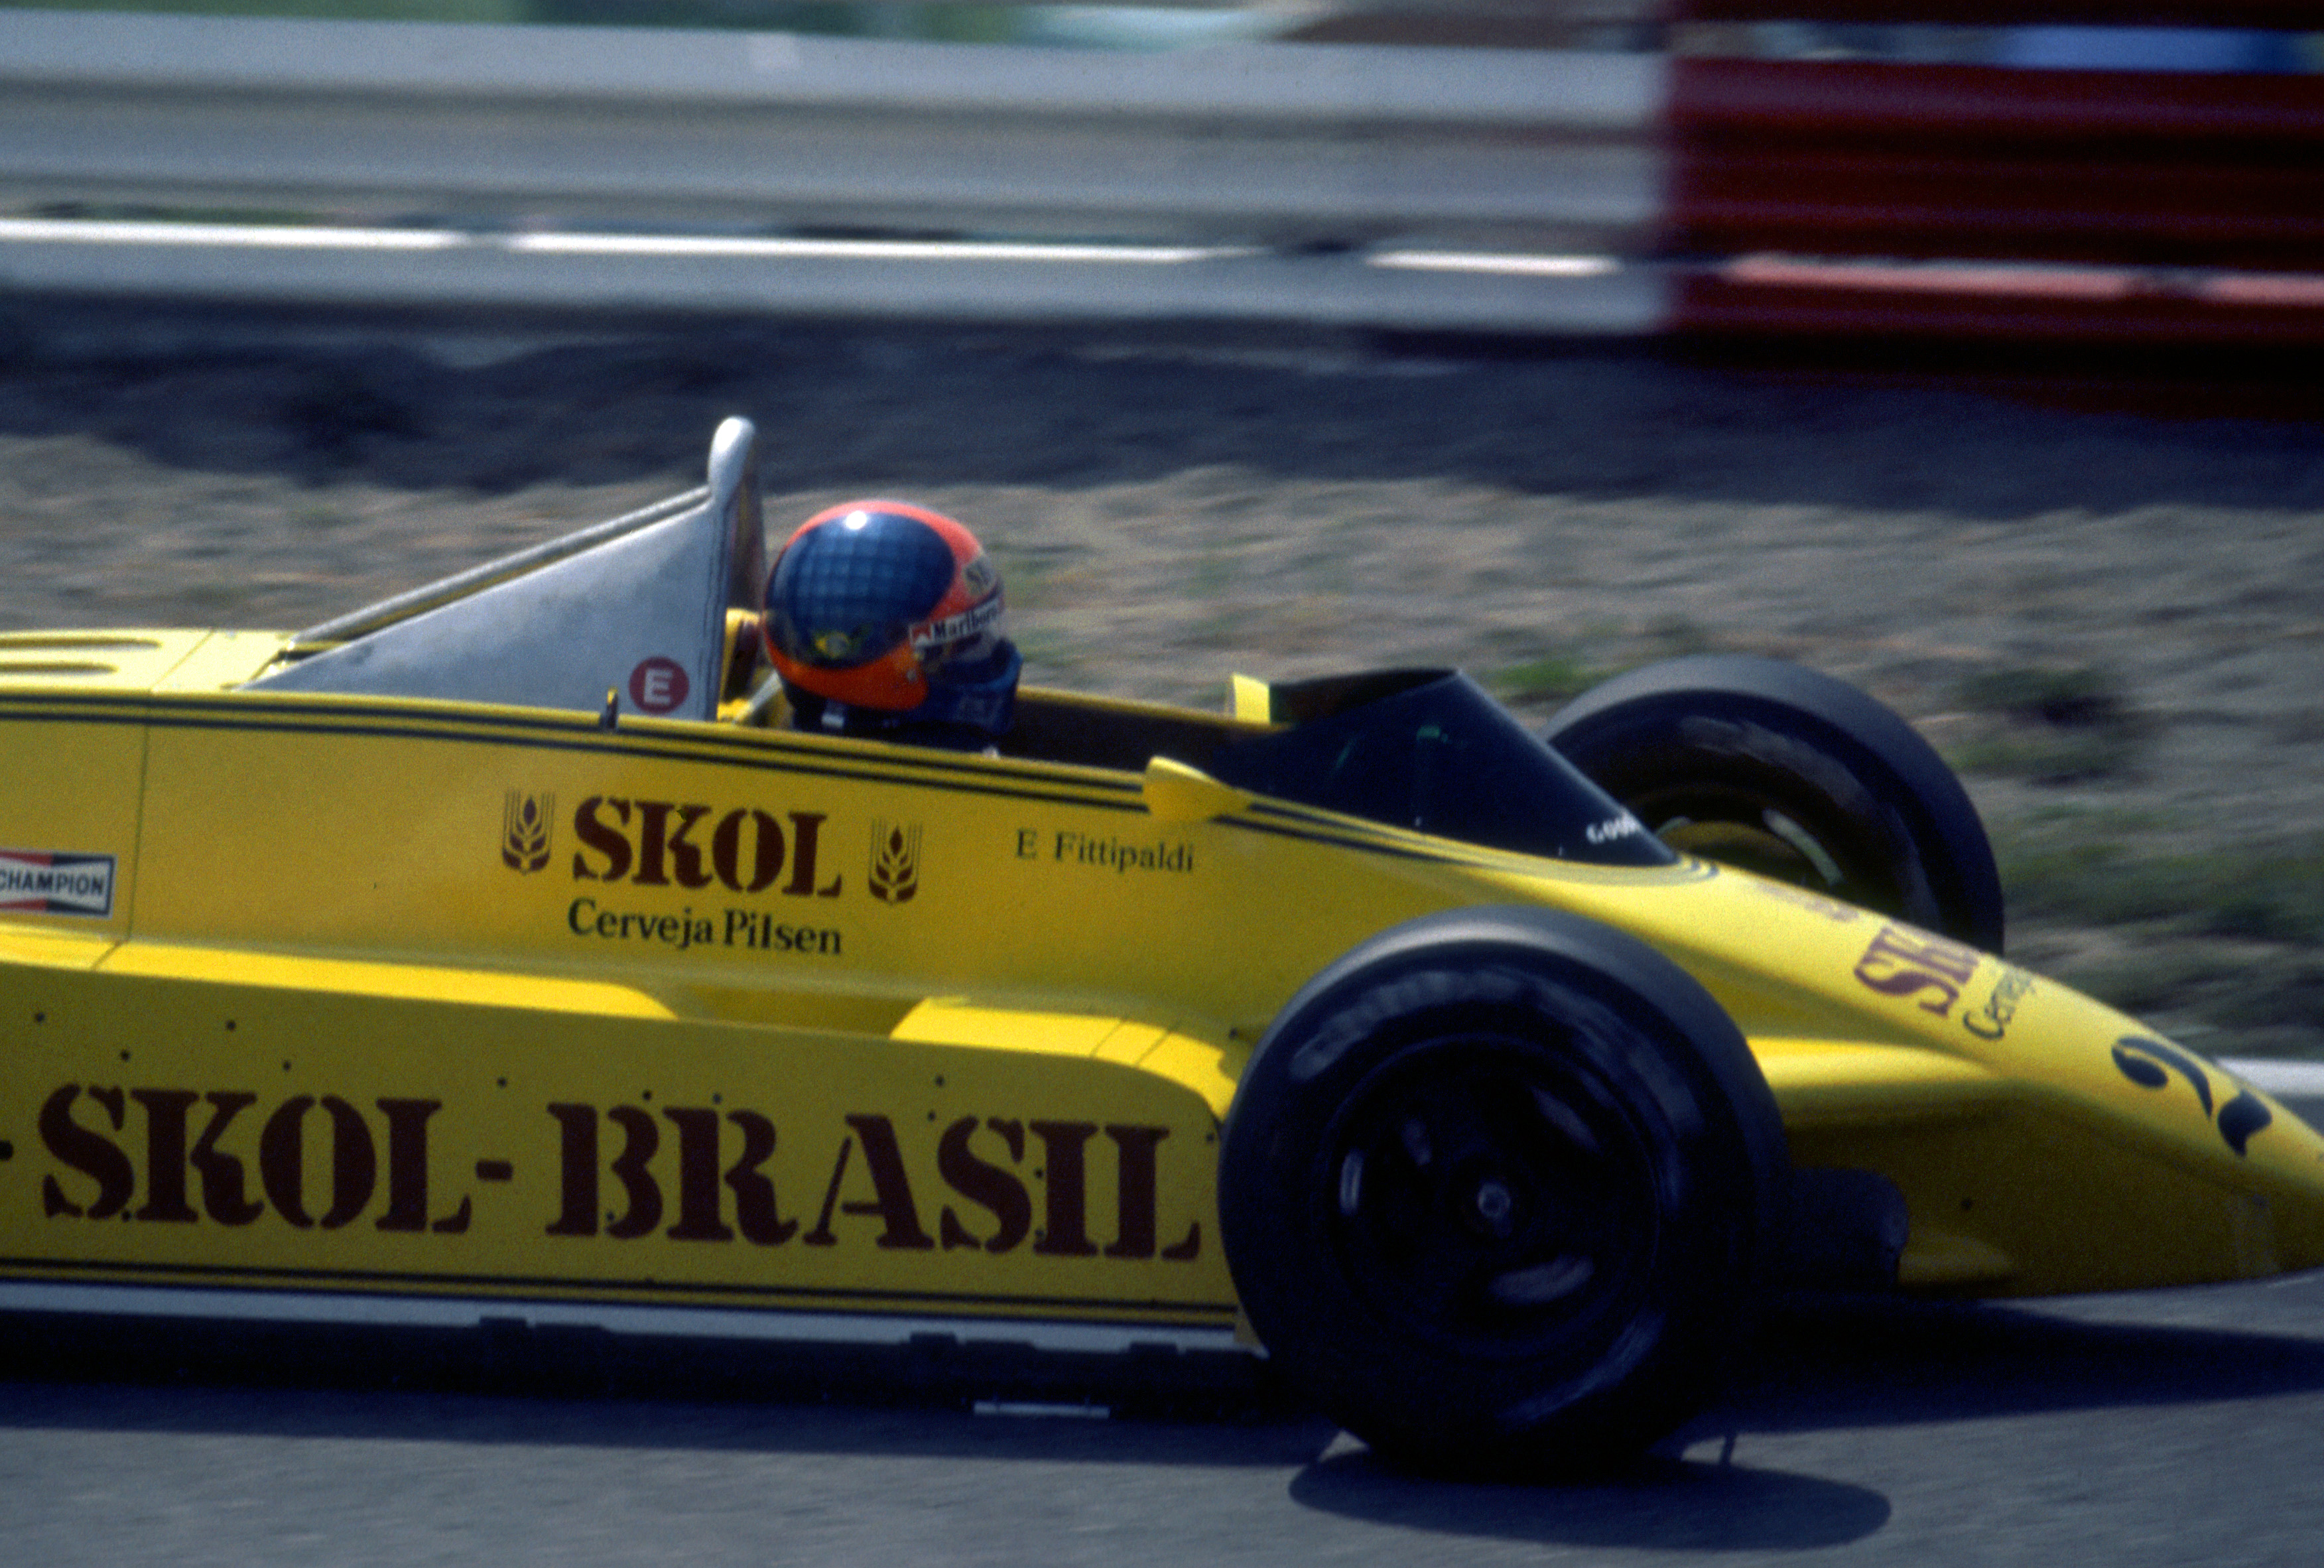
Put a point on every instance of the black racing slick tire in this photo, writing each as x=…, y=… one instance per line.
x=1791, y=773
x=1496, y=1189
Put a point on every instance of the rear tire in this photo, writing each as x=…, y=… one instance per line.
x=1790, y=773
x=1495, y=1190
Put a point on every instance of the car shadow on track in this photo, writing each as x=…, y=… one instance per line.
x=1837, y=1363
x=1831, y=1365
x=506, y=1382
x=1658, y=1504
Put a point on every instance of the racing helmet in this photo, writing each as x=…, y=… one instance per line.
x=883, y=615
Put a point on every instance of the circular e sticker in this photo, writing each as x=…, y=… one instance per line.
x=659, y=684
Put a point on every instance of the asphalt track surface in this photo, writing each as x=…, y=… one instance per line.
x=2168, y=1428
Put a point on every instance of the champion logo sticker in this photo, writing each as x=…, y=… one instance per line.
x=45, y=883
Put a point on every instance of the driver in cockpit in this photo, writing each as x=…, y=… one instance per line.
x=883, y=621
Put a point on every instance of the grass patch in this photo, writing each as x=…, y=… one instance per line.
x=2079, y=698
x=2051, y=724
x=2225, y=943
x=2270, y=896
x=1552, y=678
x=2152, y=982
x=2095, y=883
x=2278, y=898
x=2290, y=992
x=2268, y=1004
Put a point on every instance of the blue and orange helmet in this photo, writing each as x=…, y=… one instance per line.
x=881, y=613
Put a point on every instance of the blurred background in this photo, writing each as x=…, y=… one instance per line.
x=1965, y=349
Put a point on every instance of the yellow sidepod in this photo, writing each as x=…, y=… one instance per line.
x=199, y=1119
x=515, y=1003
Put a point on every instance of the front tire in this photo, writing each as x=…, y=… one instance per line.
x=1788, y=773
x=1495, y=1190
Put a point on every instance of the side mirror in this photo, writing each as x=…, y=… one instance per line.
x=1175, y=792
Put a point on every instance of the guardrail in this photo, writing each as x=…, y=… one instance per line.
x=1346, y=183
x=1276, y=144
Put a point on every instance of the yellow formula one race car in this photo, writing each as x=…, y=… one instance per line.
x=490, y=951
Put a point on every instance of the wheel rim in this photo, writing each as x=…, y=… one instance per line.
x=1774, y=847
x=1490, y=1198
x=1759, y=834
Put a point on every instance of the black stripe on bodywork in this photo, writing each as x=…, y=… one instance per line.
x=63, y=1268
x=932, y=771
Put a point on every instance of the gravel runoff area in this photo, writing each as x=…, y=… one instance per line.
x=2107, y=609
